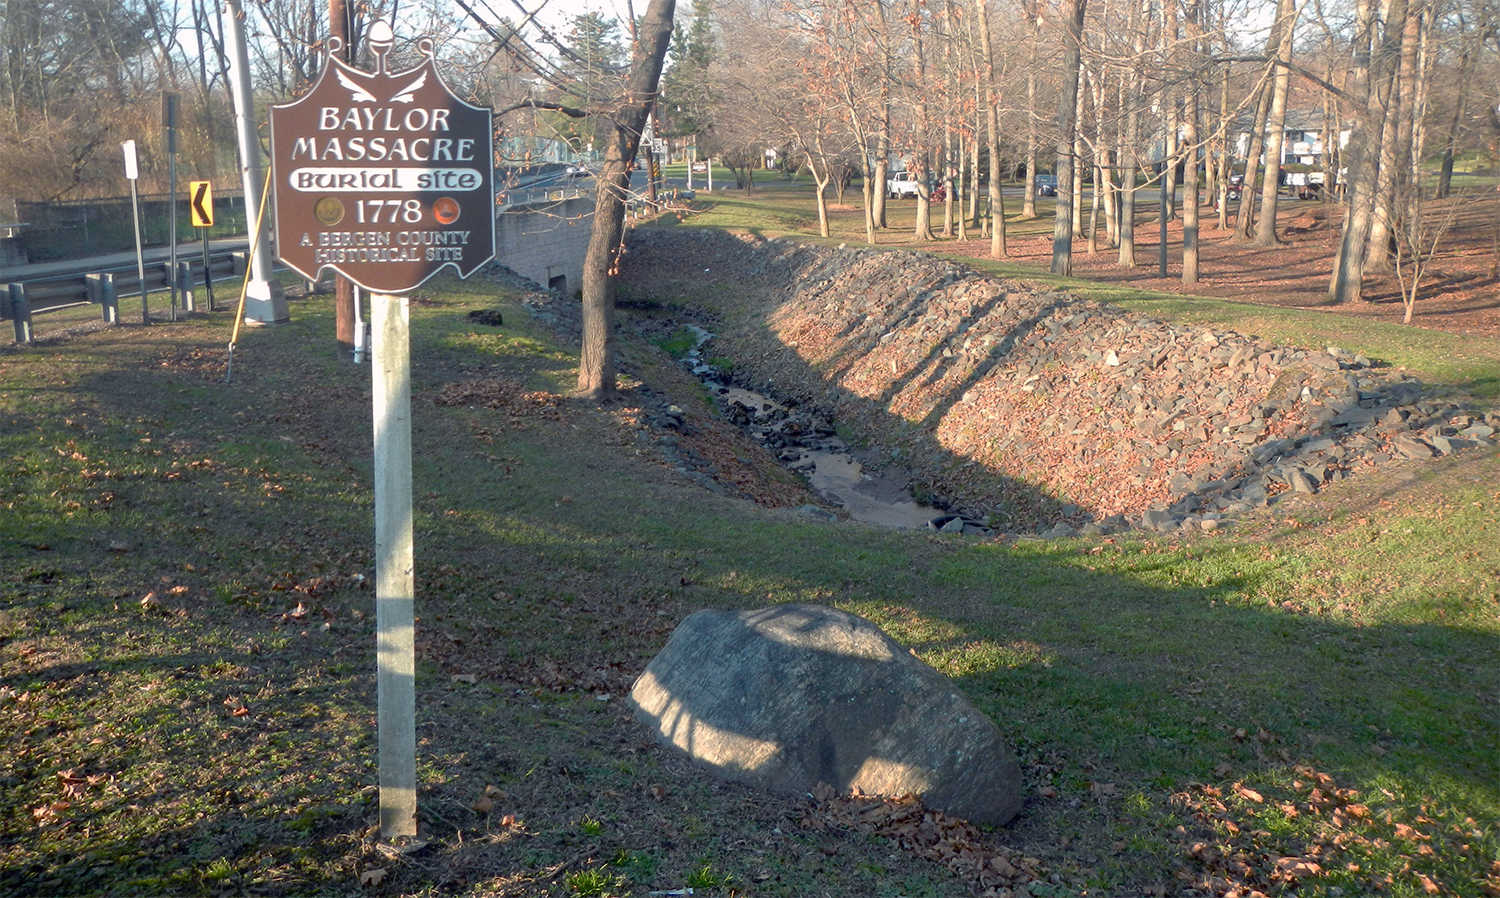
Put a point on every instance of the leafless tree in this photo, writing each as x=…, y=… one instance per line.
x=1073, y=12
x=621, y=108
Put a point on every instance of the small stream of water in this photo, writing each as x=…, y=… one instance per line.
x=811, y=447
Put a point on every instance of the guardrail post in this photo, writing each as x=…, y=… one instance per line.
x=185, y=286
x=109, y=297
x=208, y=281
x=241, y=263
x=101, y=289
x=20, y=310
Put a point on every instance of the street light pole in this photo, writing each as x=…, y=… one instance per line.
x=265, y=301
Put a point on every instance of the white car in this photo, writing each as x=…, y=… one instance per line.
x=901, y=184
x=577, y=171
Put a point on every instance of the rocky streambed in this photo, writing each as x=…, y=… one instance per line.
x=1032, y=410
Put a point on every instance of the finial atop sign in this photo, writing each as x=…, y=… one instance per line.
x=382, y=38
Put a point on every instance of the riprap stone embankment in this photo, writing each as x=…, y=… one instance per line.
x=1033, y=408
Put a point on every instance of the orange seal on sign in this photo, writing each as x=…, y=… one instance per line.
x=445, y=210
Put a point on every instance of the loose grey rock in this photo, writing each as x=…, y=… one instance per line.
x=1302, y=482
x=1410, y=446
x=1158, y=519
x=787, y=697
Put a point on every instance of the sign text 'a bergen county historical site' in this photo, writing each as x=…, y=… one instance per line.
x=385, y=177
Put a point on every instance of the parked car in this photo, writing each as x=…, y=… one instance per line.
x=901, y=184
x=1046, y=185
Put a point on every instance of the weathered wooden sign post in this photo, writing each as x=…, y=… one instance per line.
x=387, y=178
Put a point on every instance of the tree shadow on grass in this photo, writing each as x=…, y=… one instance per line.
x=1120, y=678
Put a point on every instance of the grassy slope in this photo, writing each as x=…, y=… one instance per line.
x=1148, y=683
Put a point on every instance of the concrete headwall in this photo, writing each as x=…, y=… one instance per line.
x=546, y=241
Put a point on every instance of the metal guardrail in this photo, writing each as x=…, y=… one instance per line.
x=21, y=300
x=105, y=287
x=529, y=196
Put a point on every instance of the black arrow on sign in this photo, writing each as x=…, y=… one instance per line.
x=204, y=215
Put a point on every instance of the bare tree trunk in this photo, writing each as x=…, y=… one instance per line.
x=1169, y=107
x=882, y=168
x=1460, y=104
x=1330, y=128
x=1270, y=188
x=1034, y=25
x=1190, y=137
x=883, y=158
x=1093, y=245
x=948, y=151
x=1067, y=124
x=1221, y=182
x=979, y=119
x=873, y=189
x=923, y=156
x=821, y=179
x=1426, y=58
x=1078, y=110
x=1130, y=152
x=1347, y=282
x=1244, y=223
x=1109, y=188
x=1104, y=179
x=992, y=120
x=964, y=183
x=596, y=362
x=1395, y=147
x=343, y=289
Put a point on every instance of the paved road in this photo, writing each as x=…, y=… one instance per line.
x=187, y=252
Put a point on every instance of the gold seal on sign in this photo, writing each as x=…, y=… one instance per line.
x=445, y=210
x=329, y=211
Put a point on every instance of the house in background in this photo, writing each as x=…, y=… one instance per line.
x=1302, y=146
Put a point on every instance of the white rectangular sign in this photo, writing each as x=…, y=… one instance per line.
x=131, y=171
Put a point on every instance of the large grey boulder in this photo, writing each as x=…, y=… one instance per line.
x=791, y=696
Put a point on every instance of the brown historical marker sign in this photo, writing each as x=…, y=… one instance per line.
x=385, y=177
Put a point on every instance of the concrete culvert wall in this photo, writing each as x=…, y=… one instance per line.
x=1035, y=409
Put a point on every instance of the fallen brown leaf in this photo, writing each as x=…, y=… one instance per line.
x=372, y=876
x=1296, y=867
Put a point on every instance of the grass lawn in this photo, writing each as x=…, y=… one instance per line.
x=1306, y=704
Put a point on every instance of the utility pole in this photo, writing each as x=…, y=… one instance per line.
x=265, y=301
x=344, y=316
